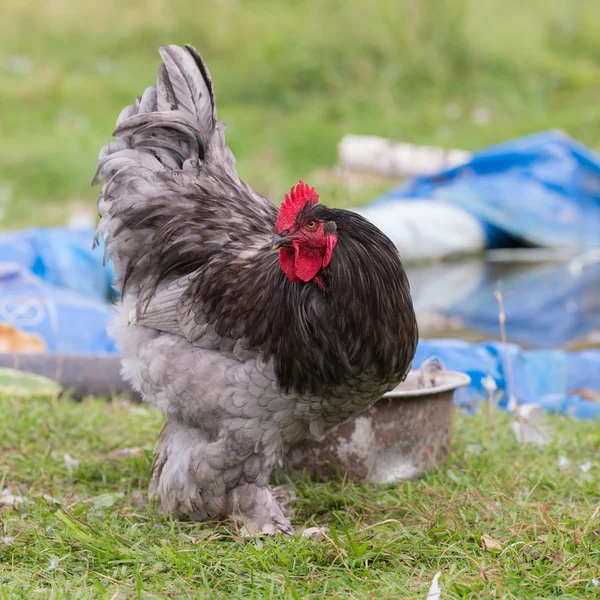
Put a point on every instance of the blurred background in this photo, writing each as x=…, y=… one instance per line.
x=292, y=79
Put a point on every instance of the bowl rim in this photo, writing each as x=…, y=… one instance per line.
x=457, y=380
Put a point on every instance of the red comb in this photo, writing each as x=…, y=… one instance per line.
x=300, y=195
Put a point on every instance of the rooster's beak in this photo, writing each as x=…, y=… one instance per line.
x=279, y=241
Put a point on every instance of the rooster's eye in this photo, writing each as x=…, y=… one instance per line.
x=311, y=225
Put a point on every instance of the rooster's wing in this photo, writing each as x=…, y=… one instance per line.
x=179, y=225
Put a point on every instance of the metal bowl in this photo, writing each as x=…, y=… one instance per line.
x=399, y=437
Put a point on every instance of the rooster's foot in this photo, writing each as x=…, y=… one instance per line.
x=267, y=530
x=255, y=508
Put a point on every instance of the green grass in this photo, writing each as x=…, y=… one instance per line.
x=292, y=78
x=499, y=521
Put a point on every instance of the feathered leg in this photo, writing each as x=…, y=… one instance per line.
x=183, y=490
x=201, y=478
x=257, y=510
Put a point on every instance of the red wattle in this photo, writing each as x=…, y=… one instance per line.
x=286, y=262
x=308, y=261
x=302, y=263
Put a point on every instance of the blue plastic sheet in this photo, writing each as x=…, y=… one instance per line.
x=60, y=256
x=68, y=322
x=546, y=305
x=543, y=189
x=551, y=378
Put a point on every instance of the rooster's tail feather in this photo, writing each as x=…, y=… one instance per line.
x=170, y=134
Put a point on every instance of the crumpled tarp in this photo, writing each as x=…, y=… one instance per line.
x=547, y=304
x=542, y=189
x=67, y=321
x=60, y=256
x=555, y=379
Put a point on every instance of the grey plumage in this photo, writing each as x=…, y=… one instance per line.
x=240, y=359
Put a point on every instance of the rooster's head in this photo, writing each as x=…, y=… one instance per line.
x=305, y=242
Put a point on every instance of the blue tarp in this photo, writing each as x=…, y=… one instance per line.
x=60, y=256
x=543, y=189
x=68, y=322
x=71, y=323
x=551, y=378
x=547, y=305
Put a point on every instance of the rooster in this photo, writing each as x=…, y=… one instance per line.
x=249, y=327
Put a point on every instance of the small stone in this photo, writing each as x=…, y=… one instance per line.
x=314, y=533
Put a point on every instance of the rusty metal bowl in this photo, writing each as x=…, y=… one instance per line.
x=399, y=437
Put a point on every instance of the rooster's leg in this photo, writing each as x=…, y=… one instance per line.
x=185, y=486
x=256, y=509
x=200, y=477
x=251, y=502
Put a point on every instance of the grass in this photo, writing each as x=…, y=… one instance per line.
x=501, y=521
x=292, y=78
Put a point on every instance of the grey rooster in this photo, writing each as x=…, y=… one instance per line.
x=249, y=327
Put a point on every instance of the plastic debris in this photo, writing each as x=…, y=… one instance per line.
x=82, y=218
x=528, y=425
x=387, y=157
x=71, y=463
x=53, y=563
x=13, y=340
x=61, y=256
x=427, y=230
x=547, y=305
x=489, y=384
x=19, y=383
x=491, y=544
x=66, y=321
x=564, y=462
x=547, y=378
x=558, y=177
x=9, y=499
x=586, y=466
x=434, y=591
x=103, y=501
